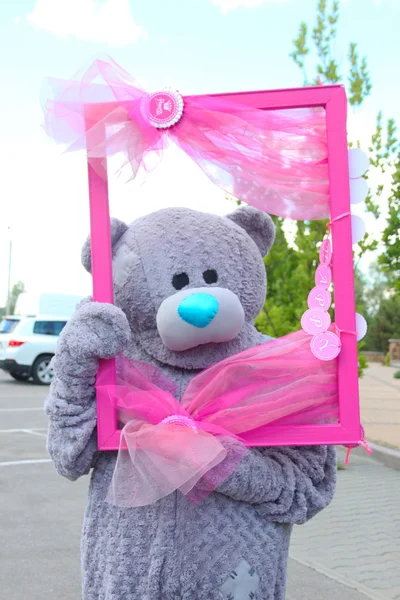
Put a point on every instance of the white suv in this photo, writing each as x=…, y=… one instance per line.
x=27, y=345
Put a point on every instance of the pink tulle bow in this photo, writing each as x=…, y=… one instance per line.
x=275, y=160
x=194, y=445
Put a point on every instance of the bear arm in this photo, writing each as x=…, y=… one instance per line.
x=287, y=485
x=71, y=409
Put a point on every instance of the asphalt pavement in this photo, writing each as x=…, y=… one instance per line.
x=41, y=517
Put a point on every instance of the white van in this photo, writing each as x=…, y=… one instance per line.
x=27, y=345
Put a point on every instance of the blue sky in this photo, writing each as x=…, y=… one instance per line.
x=198, y=46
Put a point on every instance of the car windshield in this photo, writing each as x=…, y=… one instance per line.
x=8, y=325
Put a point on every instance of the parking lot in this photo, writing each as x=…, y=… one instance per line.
x=349, y=552
x=40, y=512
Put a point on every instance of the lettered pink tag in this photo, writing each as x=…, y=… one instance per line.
x=315, y=321
x=319, y=298
x=325, y=252
x=165, y=108
x=325, y=346
x=323, y=276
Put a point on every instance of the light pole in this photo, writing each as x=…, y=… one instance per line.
x=8, y=306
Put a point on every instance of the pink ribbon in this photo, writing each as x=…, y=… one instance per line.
x=194, y=445
x=275, y=160
x=362, y=442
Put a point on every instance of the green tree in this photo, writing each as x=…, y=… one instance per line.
x=17, y=289
x=282, y=311
x=358, y=83
x=384, y=325
x=291, y=268
x=390, y=257
x=381, y=309
x=323, y=36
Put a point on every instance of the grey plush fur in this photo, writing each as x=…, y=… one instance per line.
x=234, y=545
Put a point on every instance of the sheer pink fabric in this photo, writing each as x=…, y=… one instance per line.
x=168, y=446
x=275, y=160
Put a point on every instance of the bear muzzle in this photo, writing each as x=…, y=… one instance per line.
x=198, y=309
x=194, y=317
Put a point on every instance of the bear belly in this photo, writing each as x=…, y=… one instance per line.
x=220, y=549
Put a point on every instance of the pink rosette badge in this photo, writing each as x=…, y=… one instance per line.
x=164, y=108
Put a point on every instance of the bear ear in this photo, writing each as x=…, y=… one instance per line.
x=118, y=229
x=257, y=224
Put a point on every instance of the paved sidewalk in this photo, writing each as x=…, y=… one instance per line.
x=356, y=541
x=380, y=405
x=304, y=583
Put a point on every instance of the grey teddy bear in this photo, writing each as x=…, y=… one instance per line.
x=234, y=544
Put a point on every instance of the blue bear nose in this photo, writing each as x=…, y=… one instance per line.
x=198, y=310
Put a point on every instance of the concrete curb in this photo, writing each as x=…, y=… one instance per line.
x=387, y=456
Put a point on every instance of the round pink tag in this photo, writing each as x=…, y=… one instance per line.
x=315, y=321
x=323, y=276
x=325, y=346
x=325, y=252
x=165, y=108
x=319, y=298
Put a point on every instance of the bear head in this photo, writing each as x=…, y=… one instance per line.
x=191, y=283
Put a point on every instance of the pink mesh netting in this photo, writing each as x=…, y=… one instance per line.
x=168, y=446
x=275, y=160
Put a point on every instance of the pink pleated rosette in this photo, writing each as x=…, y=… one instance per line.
x=194, y=445
x=275, y=160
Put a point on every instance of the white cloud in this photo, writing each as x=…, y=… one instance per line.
x=228, y=5
x=109, y=22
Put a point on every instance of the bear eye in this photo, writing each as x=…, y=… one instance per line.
x=210, y=276
x=180, y=281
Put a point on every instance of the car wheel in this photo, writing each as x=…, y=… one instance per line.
x=42, y=372
x=20, y=376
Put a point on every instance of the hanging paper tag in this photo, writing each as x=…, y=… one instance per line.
x=319, y=297
x=358, y=163
x=325, y=252
x=323, y=276
x=325, y=346
x=315, y=321
x=358, y=229
x=358, y=190
x=361, y=327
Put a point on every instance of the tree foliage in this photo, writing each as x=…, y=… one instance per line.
x=380, y=305
x=384, y=147
x=323, y=34
x=287, y=287
x=291, y=266
x=385, y=324
x=359, y=79
x=390, y=257
x=17, y=289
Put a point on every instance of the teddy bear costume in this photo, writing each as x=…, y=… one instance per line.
x=234, y=544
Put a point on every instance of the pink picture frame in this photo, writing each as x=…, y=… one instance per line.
x=333, y=100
